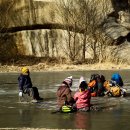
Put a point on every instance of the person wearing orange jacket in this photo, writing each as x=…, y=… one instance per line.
x=93, y=85
x=96, y=85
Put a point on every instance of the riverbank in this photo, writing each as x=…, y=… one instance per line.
x=41, y=67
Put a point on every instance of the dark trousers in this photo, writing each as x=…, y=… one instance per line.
x=35, y=93
x=32, y=92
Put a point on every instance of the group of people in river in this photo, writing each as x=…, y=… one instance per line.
x=97, y=86
x=81, y=99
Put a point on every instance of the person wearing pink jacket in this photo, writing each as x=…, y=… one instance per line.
x=83, y=96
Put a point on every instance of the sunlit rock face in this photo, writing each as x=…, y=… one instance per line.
x=29, y=12
x=42, y=42
x=45, y=42
x=39, y=43
x=117, y=24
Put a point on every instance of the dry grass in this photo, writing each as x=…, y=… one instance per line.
x=40, y=67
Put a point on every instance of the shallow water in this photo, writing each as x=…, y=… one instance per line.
x=115, y=112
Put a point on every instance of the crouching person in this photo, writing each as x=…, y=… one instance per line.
x=116, y=80
x=64, y=96
x=26, y=88
x=83, y=96
x=114, y=90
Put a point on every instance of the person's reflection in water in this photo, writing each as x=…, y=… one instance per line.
x=25, y=117
x=82, y=120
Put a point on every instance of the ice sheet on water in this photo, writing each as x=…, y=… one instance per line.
x=48, y=105
x=5, y=92
x=2, y=91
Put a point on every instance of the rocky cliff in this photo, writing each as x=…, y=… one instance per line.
x=36, y=28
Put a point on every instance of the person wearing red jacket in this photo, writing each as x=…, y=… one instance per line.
x=83, y=96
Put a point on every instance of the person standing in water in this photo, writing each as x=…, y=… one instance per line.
x=26, y=87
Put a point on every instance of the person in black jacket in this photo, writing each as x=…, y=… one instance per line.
x=25, y=85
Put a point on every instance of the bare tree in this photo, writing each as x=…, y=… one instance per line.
x=91, y=19
x=83, y=16
x=87, y=15
x=8, y=48
x=68, y=12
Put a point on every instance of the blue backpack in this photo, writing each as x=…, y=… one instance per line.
x=117, y=78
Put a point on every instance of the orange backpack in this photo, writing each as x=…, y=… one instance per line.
x=92, y=83
x=94, y=94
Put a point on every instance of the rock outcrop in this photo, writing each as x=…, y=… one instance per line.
x=37, y=28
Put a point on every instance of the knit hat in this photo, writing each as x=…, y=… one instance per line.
x=82, y=83
x=81, y=79
x=68, y=80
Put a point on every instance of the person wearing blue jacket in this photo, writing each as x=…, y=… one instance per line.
x=117, y=78
x=25, y=85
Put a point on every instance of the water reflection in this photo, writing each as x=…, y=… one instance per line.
x=82, y=120
x=25, y=117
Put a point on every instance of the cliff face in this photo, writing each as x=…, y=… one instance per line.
x=118, y=21
x=36, y=28
x=31, y=12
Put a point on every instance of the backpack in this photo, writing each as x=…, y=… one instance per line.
x=107, y=85
x=66, y=109
x=117, y=78
x=92, y=84
x=115, y=91
x=94, y=77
